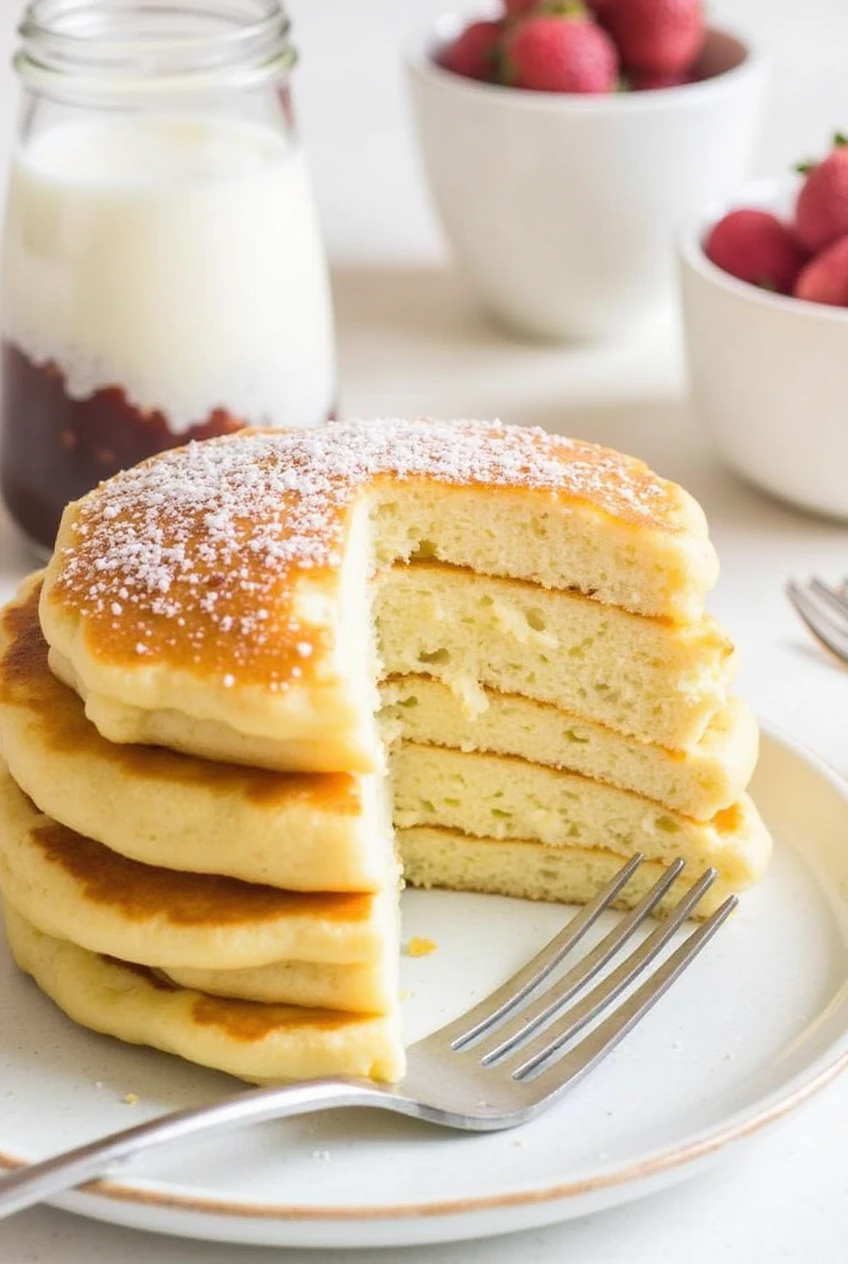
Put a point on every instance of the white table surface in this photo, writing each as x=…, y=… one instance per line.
x=411, y=341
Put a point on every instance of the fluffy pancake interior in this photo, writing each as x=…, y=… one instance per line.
x=699, y=782
x=501, y=796
x=529, y=870
x=658, y=682
x=527, y=536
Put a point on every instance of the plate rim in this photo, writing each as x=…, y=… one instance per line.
x=771, y=1109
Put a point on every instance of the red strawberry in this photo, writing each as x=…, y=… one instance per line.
x=659, y=37
x=518, y=8
x=473, y=53
x=825, y=278
x=821, y=209
x=551, y=53
x=756, y=247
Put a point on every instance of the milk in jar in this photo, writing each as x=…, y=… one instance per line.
x=162, y=276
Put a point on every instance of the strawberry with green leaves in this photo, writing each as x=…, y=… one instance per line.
x=821, y=208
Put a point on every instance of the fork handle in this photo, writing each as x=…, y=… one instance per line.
x=40, y=1181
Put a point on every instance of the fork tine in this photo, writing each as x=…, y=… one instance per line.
x=530, y=1020
x=823, y=630
x=584, y=1011
x=500, y=1004
x=815, y=602
x=590, y=1051
x=838, y=605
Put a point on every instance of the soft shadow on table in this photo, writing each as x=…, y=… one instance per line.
x=412, y=340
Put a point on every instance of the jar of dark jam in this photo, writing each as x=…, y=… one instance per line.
x=163, y=276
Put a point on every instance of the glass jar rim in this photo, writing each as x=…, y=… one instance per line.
x=83, y=48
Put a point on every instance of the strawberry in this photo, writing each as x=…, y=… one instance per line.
x=821, y=208
x=518, y=8
x=560, y=53
x=474, y=52
x=825, y=278
x=659, y=37
x=756, y=247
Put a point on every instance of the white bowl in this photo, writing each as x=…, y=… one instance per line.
x=562, y=209
x=767, y=373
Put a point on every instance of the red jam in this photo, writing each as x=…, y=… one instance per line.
x=54, y=448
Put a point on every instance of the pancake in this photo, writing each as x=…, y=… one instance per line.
x=658, y=682
x=260, y=1043
x=172, y=810
x=362, y=987
x=182, y=813
x=699, y=782
x=529, y=610
x=294, y=691
x=74, y=888
x=529, y=870
x=655, y=681
x=219, y=591
x=502, y=796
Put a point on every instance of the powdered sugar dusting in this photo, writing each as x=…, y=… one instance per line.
x=197, y=549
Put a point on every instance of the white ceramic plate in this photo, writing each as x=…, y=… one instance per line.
x=757, y=1025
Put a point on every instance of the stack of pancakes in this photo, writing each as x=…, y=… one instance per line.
x=247, y=635
x=244, y=918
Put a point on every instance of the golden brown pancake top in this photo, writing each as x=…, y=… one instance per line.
x=27, y=682
x=198, y=557
x=142, y=892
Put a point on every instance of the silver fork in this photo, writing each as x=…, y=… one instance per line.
x=498, y=1065
x=825, y=612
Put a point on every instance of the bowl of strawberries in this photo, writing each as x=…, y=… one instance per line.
x=764, y=287
x=564, y=144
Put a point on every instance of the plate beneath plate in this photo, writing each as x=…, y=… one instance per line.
x=758, y=1023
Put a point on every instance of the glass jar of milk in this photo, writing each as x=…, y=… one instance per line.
x=163, y=277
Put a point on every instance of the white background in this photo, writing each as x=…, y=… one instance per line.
x=411, y=341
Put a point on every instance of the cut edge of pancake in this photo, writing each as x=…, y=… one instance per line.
x=503, y=796
x=698, y=782
x=525, y=869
